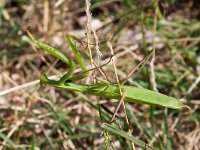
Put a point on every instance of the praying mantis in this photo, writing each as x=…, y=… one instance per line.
x=107, y=90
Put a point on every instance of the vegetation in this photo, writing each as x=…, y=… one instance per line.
x=129, y=47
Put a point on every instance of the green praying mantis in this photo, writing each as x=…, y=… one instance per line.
x=107, y=90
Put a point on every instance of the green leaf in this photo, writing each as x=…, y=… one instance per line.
x=123, y=134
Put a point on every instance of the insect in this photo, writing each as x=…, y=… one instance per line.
x=107, y=90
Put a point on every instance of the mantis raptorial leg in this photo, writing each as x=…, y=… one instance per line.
x=58, y=54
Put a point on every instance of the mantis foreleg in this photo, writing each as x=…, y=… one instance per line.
x=62, y=57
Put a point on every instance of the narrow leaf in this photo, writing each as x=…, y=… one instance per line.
x=123, y=134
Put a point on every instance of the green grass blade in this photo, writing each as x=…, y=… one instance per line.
x=123, y=134
x=9, y=142
x=48, y=139
x=167, y=131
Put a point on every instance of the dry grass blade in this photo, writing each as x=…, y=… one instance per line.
x=49, y=118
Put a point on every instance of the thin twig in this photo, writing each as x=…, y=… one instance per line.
x=152, y=70
x=12, y=131
x=46, y=16
x=96, y=5
x=121, y=94
x=88, y=28
x=194, y=84
x=118, y=106
x=114, y=66
x=101, y=71
x=143, y=62
x=19, y=87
